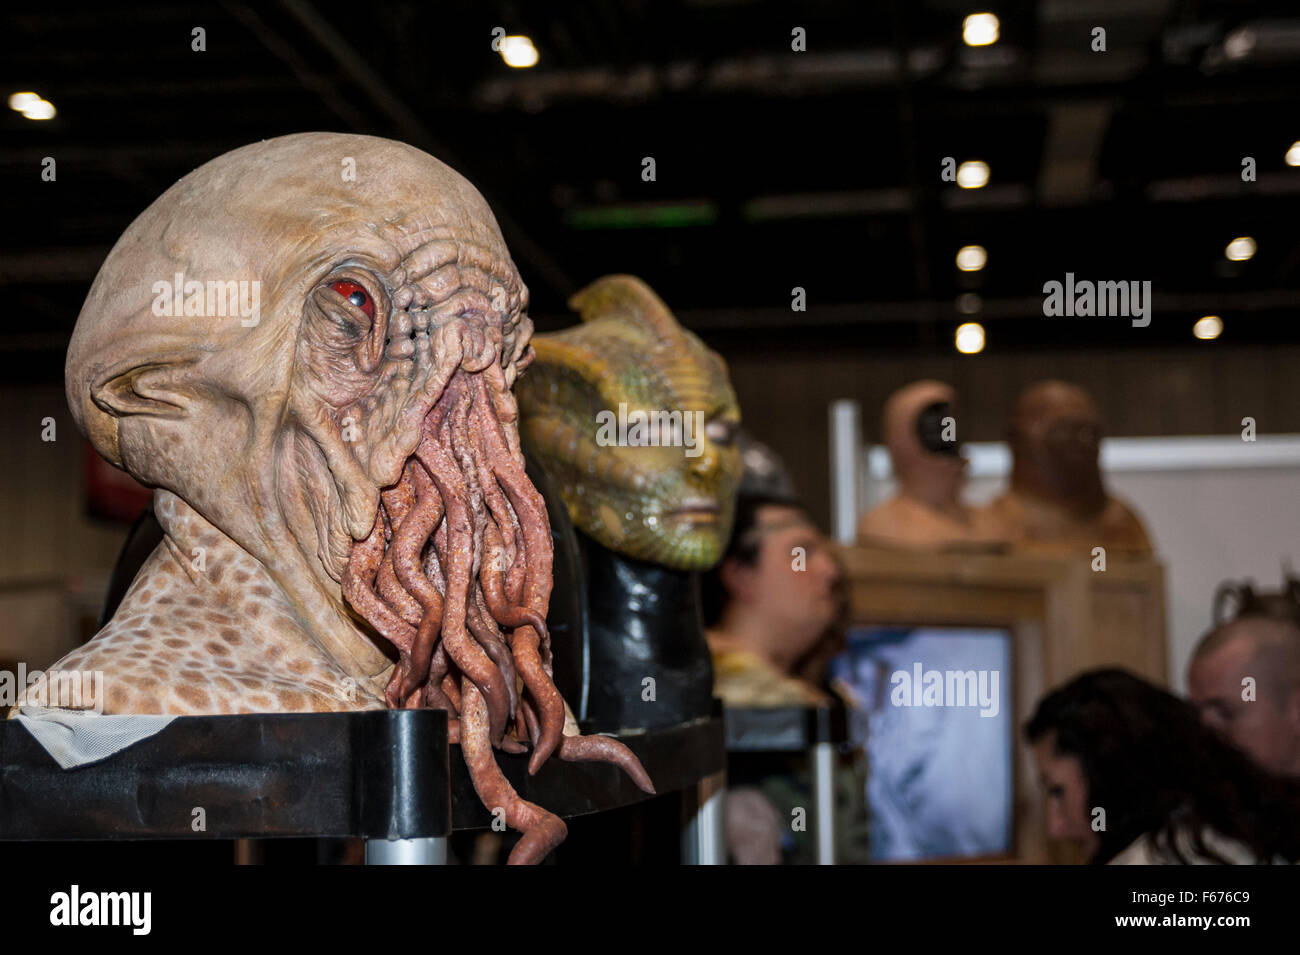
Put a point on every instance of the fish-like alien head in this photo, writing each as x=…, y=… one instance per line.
x=635, y=420
x=266, y=339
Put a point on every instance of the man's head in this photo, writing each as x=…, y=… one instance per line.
x=1055, y=436
x=919, y=427
x=779, y=569
x=1244, y=678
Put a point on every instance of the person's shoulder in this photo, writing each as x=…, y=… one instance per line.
x=1144, y=851
x=1139, y=852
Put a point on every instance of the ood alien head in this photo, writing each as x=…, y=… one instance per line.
x=308, y=345
x=1055, y=437
x=265, y=339
x=636, y=421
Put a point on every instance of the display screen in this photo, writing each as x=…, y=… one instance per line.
x=934, y=714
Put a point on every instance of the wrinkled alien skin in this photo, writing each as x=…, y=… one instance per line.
x=656, y=504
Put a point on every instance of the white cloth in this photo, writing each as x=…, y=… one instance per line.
x=75, y=738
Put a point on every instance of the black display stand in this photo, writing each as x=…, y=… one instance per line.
x=389, y=777
x=783, y=729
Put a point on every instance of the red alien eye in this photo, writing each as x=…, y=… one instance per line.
x=357, y=295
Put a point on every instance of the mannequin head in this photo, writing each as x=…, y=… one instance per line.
x=1055, y=436
x=919, y=428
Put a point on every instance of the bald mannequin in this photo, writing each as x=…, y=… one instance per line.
x=918, y=427
x=1267, y=726
x=1057, y=500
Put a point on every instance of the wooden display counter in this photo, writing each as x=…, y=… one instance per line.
x=1063, y=617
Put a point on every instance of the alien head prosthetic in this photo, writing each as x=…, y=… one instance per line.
x=919, y=427
x=314, y=369
x=1057, y=499
x=635, y=420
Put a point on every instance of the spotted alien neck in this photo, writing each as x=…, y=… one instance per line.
x=317, y=620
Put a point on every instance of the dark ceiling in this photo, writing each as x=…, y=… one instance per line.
x=775, y=169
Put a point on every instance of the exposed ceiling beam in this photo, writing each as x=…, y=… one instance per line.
x=534, y=261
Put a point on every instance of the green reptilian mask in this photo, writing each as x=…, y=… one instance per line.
x=634, y=420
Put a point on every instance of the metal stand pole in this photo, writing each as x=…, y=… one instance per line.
x=703, y=838
x=846, y=446
x=406, y=851
x=823, y=786
x=248, y=852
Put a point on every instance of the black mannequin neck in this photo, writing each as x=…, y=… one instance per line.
x=644, y=623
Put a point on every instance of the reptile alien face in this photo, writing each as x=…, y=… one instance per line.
x=636, y=422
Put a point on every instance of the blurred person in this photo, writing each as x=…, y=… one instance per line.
x=1058, y=498
x=769, y=603
x=1244, y=679
x=770, y=607
x=1171, y=790
x=1235, y=599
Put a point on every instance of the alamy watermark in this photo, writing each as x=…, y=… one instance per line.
x=213, y=299
x=130, y=909
x=921, y=687
x=650, y=429
x=62, y=689
x=1086, y=299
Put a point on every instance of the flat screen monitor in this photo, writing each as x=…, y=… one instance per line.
x=935, y=716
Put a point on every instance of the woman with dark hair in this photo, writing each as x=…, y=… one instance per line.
x=1133, y=776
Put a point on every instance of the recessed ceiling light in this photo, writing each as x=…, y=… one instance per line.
x=31, y=105
x=42, y=110
x=971, y=258
x=973, y=174
x=1293, y=154
x=970, y=338
x=518, y=51
x=1240, y=249
x=1208, y=327
x=980, y=29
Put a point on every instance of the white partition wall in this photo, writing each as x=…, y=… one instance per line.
x=1218, y=508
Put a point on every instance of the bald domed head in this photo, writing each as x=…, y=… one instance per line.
x=1055, y=436
x=1047, y=401
x=919, y=428
x=277, y=293
x=277, y=213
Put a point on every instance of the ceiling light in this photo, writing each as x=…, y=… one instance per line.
x=970, y=338
x=1207, y=328
x=980, y=29
x=1293, y=154
x=42, y=110
x=518, y=51
x=1240, y=249
x=973, y=174
x=971, y=258
x=31, y=105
